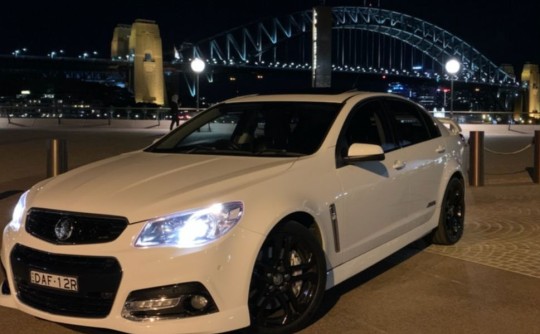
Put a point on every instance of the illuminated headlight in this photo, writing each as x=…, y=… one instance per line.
x=191, y=228
x=18, y=212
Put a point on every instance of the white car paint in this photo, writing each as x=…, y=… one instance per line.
x=381, y=206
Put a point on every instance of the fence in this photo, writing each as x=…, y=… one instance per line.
x=162, y=113
x=476, y=157
x=108, y=114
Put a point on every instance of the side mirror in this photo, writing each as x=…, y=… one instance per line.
x=364, y=152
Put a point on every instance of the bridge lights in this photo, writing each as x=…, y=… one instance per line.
x=19, y=52
x=452, y=67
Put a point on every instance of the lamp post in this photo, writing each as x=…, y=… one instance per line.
x=452, y=67
x=197, y=65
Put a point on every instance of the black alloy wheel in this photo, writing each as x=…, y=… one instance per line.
x=452, y=218
x=288, y=280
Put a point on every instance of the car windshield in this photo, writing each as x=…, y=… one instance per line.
x=254, y=129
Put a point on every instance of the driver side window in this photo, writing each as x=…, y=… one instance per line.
x=367, y=125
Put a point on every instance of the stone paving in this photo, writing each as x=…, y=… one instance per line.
x=502, y=230
x=502, y=224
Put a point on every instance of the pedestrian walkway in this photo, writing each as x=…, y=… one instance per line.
x=502, y=229
x=503, y=216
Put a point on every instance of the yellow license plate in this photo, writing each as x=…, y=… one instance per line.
x=67, y=283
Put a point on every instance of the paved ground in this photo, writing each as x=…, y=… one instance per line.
x=503, y=217
x=488, y=283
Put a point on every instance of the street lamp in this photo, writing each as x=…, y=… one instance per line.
x=197, y=65
x=19, y=52
x=452, y=67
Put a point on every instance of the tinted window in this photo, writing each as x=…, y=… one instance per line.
x=412, y=124
x=366, y=124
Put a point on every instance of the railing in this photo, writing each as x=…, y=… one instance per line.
x=77, y=112
x=490, y=117
x=162, y=113
x=109, y=114
x=476, y=157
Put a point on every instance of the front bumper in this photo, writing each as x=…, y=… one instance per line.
x=223, y=268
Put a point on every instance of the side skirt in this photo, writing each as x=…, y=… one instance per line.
x=362, y=262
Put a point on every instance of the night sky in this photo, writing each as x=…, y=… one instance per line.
x=506, y=31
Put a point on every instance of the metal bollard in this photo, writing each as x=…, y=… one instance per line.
x=476, y=158
x=56, y=157
x=536, y=172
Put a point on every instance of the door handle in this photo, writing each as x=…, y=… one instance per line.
x=398, y=164
x=440, y=149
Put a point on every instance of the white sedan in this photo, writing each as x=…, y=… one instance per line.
x=241, y=217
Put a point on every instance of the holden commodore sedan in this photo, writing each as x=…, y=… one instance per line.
x=240, y=218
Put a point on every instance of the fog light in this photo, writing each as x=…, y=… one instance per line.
x=199, y=302
x=166, y=302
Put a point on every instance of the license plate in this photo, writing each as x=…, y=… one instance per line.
x=67, y=283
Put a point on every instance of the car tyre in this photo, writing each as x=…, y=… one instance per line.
x=288, y=281
x=452, y=217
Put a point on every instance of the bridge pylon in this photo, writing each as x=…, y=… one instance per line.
x=120, y=41
x=145, y=45
x=140, y=43
x=530, y=78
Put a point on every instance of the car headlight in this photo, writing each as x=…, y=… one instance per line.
x=191, y=228
x=18, y=212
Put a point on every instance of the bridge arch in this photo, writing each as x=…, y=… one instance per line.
x=284, y=42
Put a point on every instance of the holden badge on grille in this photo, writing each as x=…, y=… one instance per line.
x=64, y=228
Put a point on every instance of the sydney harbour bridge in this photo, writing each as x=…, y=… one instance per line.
x=367, y=43
x=365, y=40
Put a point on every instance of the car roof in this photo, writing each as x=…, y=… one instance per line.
x=310, y=97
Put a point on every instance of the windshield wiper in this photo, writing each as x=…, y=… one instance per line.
x=278, y=152
x=197, y=148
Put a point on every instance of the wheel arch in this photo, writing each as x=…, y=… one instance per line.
x=447, y=178
x=448, y=175
x=440, y=234
x=308, y=221
x=457, y=175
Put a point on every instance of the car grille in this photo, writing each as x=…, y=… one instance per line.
x=98, y=281
x=86, y=228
